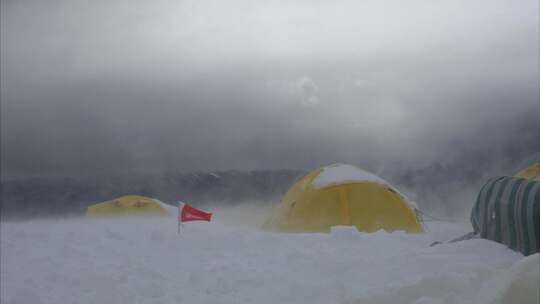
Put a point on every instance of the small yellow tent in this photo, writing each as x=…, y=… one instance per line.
x=531, y=172
x=127, y=206
x=343, y=195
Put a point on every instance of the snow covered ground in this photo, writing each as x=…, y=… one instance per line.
x=143, y=260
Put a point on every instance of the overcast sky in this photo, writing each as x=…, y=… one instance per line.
x=115, y=86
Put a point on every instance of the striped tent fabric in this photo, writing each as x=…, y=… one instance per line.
x=507, y=211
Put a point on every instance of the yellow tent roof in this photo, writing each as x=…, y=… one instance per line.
x=532, y=172
x=127, y=206
x=343, y=195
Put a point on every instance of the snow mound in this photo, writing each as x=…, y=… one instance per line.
x=506, y=285
x=144, y=260
x=519, y=284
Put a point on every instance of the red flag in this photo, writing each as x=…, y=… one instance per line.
x=189, y=213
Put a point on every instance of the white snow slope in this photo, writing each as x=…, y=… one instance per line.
x=143, y=260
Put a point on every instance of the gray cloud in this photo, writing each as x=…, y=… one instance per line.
x=93, y=87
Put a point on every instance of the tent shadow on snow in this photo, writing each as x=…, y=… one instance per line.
x=343, y=195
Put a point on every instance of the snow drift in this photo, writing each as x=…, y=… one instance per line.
x=144, y=261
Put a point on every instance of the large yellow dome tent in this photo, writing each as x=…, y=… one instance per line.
x=531, y=172
x=343, y=195
x=128, y=205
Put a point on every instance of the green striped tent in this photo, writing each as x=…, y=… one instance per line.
x=507, y=211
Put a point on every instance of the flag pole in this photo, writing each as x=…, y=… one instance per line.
x=178, y=218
